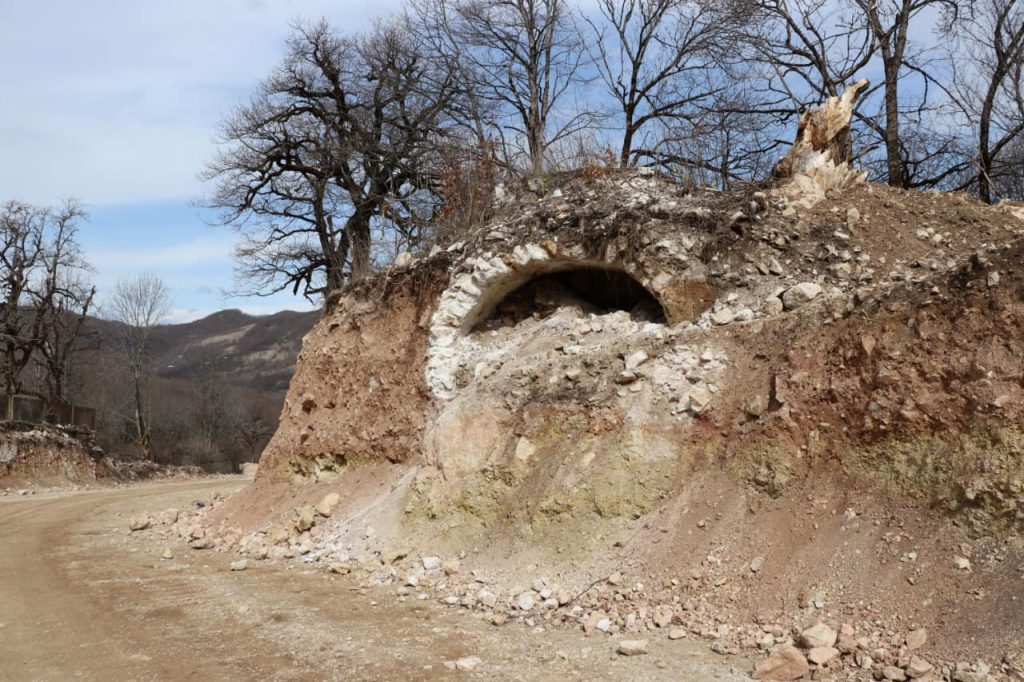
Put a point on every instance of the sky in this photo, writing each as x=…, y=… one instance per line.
x=116, y=103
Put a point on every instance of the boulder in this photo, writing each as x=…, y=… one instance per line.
x=798, y=295
x=820, y=655
x=818, y=635
x=784, y=664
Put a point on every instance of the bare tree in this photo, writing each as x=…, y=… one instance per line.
x=38, y=253
x=729, y=144
x=891, y=23
x=797, y=53
x=436, y=23
x=809, y=48
x=990, y=86
x=656, y=59
x=65, y=336
x=140, y=303
x=526, y=57
x=812, y=48
x=339, y=141
x=251, y=431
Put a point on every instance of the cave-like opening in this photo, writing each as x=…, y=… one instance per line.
x=583, y=290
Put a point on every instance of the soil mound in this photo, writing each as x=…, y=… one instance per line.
x=733, y=413
x=49, y=456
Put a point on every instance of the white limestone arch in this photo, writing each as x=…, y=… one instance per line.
x=482, y=285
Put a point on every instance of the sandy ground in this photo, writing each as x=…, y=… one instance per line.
x=79, y=600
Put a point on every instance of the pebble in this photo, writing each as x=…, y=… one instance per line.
x=326, y=505
x=139, y=522
x=239, y=565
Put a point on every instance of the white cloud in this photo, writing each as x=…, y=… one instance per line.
x=204, y=250
x=118, y=101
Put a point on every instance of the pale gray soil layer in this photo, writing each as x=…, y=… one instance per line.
x=77, y=601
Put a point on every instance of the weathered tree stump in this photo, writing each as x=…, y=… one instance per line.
x=822, y=136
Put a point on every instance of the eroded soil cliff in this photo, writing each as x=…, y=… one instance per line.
x=648, y=407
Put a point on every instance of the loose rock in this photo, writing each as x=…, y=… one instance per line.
x=894, y=674
x=139, y=522
x=822, y=654
x=818, y=635
x=800, y=294
x=784, y=664
x=326, y=505
x=632, y=647
x=917, y=639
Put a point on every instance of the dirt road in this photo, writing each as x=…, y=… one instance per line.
x=80, y=600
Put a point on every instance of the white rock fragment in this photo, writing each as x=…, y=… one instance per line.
x=800, y=294
x=632, y=647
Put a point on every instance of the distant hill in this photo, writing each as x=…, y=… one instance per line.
x=248, y=351
x=256, y=352
x=214, y=390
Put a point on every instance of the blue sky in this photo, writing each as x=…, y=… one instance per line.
x=116, y=103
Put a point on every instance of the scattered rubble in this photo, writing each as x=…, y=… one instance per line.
x=775, y=438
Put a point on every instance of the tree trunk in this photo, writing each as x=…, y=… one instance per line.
x=822, y=135
x=142, y=429
x=892, y=129
x=536, y=148
x=627, y=146
x=358, y=230
x=985, y=164
x=985, y=161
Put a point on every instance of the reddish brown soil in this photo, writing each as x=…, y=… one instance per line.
x=899, y=397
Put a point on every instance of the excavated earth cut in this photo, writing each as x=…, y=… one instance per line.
x=619, y=374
